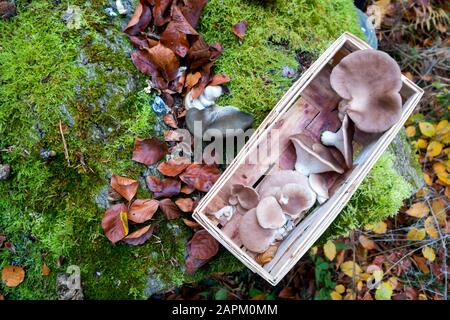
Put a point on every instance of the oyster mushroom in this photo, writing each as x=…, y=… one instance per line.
x=269, y=213
x=370, y=81
x=342, y=140
x=231, y=229
x=313, y=157
x=245, y=196
x=206, y=99
x=296, y=198
x=272, y=184
x=214, y=120
x=254, y=237
x=319, y=185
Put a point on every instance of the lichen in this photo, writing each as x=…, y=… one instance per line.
x=85, y=80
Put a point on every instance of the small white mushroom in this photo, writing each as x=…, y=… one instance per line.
x=206, y=99
x=319, y=186
x=254, y=237
x=296, y=199
x=342, y=140
x=120, y=7
x=313, y=157
x=226, y=212
x=269, y=213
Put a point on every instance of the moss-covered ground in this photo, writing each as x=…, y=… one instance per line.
x=81, y=83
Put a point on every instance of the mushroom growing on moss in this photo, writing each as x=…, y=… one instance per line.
x=370, y=82
x=342, y=140
x=206, y=99
x=313, y=157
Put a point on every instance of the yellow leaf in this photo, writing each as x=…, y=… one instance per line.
x=427, y=129
x=379, y=227
x=45, y=270
x=442, y=127
x=336, y=295
x=428, y=253
x=447, y=192
x=359, y=285
x=340, y=288
x=410, y=131
x=330, y=250
x=428, y=179
x=378, y=275
x=438, y=167
x=418, y=210
x=415, y=234
x=350, y=268
x=422, y=296
x=445, y=138
x=367, y=243
x=384, y=291
x=313, y=250
x=422, y=143
x=439, y=208
x=350, y=295
x=434, y=149
x=430, y=227
x=124, y=219
x=393, y=281
x=444, y=178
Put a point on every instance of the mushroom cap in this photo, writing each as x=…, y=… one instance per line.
x=313, y=157
x=296, y=198
x=320, y=186
x=342, y=140
x=273, y=183
x=269, y=213
x=254, y=237
x=371, y=81
x=245, y=196
x=231, y=229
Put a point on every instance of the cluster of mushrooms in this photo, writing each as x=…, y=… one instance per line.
x=369, y=82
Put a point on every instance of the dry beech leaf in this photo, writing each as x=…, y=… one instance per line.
x=45, y=270
x=192, y=10
x=126, y=187
x=140, y=19
x=173, y=167
x=219, y=79
x=367, y=243
x=168, y=187
x=149, y=151
x=165, y=60
x=418, y=210
x=200, y=176
x=115, y=222
x=267, y=255
x=169, y=208
x=140, y=236
x=12, y=276
x=185, y=204
x=142, y=210
x=378, y=228
x=329, y=250
x=187, y=189
x=191, y=224
x=192, y=79
x=421, y=263
x=350, y=268
x=439, y=209
x=430, y=227
x=239, y=29
x=201, y=248
x=169, y=120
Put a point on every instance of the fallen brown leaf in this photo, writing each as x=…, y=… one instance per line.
x=192, y=10
x=126, y=187
x=142, y=210
x=200, y=176
x=165, y=60
x=170, y=209
x=12, y=276
x=45, y=270
x=140, y=19
x=168, y=187
x=140, y=236
x=192, y=79
x=115, y=222
x=174, y=167
x=187, y=189
x=169, y=120
x=367, y=243
x=421, y=263
x=201, y=248
x=185, y=204
x=239, y=29
x=219, y=79
x=149, y=151
x=161, y=11
x=191, y=224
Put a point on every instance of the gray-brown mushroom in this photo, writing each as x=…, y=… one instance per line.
x=269, y=213
x=319, y=185
x=313, y=157
x=370, y=82
x=273, y=183
x=254, y=237
x=295, y=199
x=341, y=140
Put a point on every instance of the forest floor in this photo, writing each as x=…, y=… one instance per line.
x=403, y=257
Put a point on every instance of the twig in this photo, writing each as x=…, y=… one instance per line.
x=66, y=152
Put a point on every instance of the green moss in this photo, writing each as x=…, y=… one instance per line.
x=85, y=80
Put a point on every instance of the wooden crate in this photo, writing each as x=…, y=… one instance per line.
x=309, y=106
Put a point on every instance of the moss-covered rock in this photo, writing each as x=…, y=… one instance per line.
x=81, y=84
